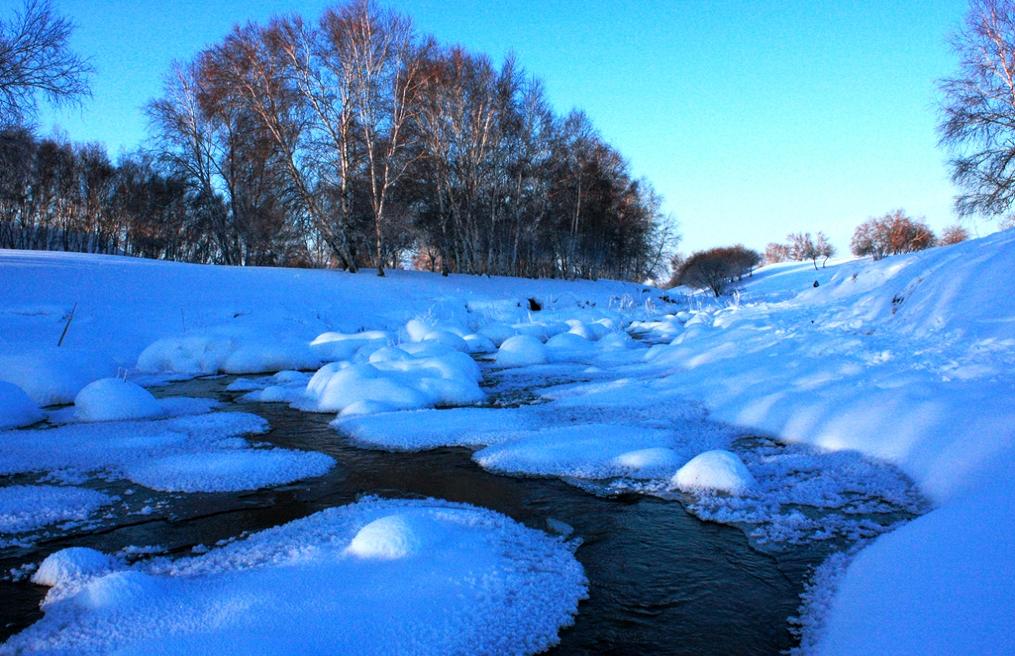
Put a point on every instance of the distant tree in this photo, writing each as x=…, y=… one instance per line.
x=717, y=268
x=978, y=108
x=802, y=247
x=953, y=235
x=1007, y=223
x=824, y=249
x=891, y=234
x=776, y=252
x=36, y=60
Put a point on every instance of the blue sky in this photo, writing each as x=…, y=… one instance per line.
x=753, y=119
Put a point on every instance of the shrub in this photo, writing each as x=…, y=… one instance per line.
x=891, y=234
x=716, y=268
x=953, y=235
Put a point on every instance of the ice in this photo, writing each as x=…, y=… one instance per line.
x=16, y=409
x=714, y=471
x=53, y=375
x=590, y=451
x=375, y=577
x=228, y=470
x=429, y=429
x=520, y=351
x=113, y=399
x=189, y=453
x=25, y=508
x=71, y=565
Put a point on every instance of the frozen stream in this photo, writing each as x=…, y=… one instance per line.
x=661, y=581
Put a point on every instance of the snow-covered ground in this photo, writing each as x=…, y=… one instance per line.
x=885, y=373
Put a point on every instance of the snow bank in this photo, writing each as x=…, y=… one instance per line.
x=227, y=351
x=53, y=375
x=521, y=351
x=714, y=471
x=16, y=409
x=113, y=399
x=25, y=508
x=375, y=577
x=189, y=453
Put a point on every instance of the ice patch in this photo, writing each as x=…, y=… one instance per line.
x=196, y=452
x=25, y=508
x=228, y=471
x=376, y=577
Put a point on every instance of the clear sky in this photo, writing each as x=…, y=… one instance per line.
x=752, y=118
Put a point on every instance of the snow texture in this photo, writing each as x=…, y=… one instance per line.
x=191, y=453
x=375, y=577
x=25, y=508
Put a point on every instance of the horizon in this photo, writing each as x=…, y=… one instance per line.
x=746, y=128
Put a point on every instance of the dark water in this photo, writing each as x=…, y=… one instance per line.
x=661, y=581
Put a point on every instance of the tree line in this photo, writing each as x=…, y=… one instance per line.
x=350, y=141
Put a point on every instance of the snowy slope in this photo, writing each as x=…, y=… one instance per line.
x=910, y=359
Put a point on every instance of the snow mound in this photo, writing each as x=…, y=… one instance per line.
x=70, y=565
x=26, y=508
x=714, y=471
x=113, y=399
x=437, y=375
x=224, y=351
x=54, y=375
x=393, y=536
x=16, y=409
x=521, y=351
x=462, y=580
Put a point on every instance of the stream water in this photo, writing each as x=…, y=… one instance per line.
x=661, y=581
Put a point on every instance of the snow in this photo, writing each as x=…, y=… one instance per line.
x=714, y=471
x=886, y=375
x=51, y=375
x=113, y=399
x=25, y=508
x=589, y=451
x=73, y=563
x=375, y=577
x=520, y=351
x=16, y=409
x=396, y=379
x=189, y=453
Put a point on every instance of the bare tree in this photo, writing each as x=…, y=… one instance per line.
x=35, y=59
x=978, y=109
